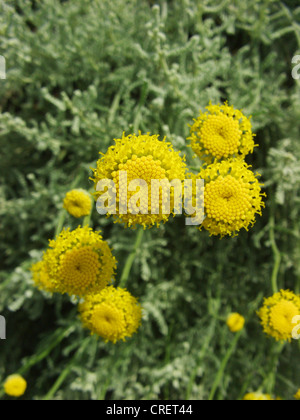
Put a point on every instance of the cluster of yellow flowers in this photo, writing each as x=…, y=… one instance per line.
x=80, y=263
x=222, y=137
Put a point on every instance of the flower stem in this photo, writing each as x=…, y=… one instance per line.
x=202, y=353
x=61, y=221
x=131, y=257
x=230, y=351
x=269, y=382
x=224, y=363
x=41, y=356
x=87, y=219
x=66, y=371
x=277, y=256
x=193, y=168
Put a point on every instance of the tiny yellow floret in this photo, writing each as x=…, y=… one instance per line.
x=78, y=203
x=15, y=386
x=297, y=395
x=257, y=396
x=235, y=322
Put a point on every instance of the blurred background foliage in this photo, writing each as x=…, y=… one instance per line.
x=79, y=73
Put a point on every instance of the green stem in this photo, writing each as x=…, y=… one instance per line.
x=253, y=306
x=64, y=374
x=277, y=256
x=269, y=382
x=104, y=389
x=38, y=358
x=224, y=363
x=202, y=353
x=131, y=257
x=87, y=219
x=193, y=168
x=61, y=221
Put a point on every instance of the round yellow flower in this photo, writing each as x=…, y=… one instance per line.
x=79, y=262
x=146, y=158
x=113, y=314
x=297, y=395
x=257, y=396
x=235, y=322
x=41, y=277
x=221, y=133
x=277, y=314
x=78, y=203
x=15, y=386
x=232, y=197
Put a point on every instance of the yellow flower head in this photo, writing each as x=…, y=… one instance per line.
x=15, y=386
x=221, y=133
x=277, y=314
x=235, y=322
x=78, y=203
x=232, y=197
x=146, y=158
x=41, y=277
x=79, y=262
x=257, y=396
x=297, y=395
x=113, y=314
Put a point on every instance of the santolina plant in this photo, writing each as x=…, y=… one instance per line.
x=130, y=66
x=142, y=181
